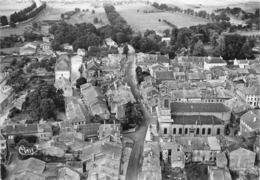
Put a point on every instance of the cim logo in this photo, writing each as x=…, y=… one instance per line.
x=27, y=151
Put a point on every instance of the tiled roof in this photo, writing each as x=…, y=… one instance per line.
x=73, y=111
x=165, y=75
x=198, y=107
x=21, y=129
x=253, y=90
x=193, y=119
x=216, y=60
x=251, y=119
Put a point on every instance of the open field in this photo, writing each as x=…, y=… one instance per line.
x=210, y=6
x=88, y=17
x=8, y=7
x=53, y=12
x=140, y=21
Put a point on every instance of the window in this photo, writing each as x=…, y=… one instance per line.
x=218, y=131
x=198, y=131
x=166, y=103
x=209, y=130
x=180, y=131
x=165, y=131
x=174, y=130
x=186, y=130
x=203, y=131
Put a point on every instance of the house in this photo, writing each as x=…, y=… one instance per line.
x=195, y=77
x=76, y=65
x=64, y=84
x=81, y=52
x=241, y=63
x=3, y=149
x=87, y=131
x=102, y=160
x=92, y=69
x=150, y=168
x=46, y=39
x=221, y=160
x=251, y=95
x=42, y=130
x=63, y=67
x=213, y=61
x=216, y=173
x=240, y=158
x=6, y=96
x=67, y=47
x=30, y=169
x=250, y=124
x=95, y=100
x=172, y=152
x=28, y=50
x=111, y=131
x=45, y=46
x=199, y=149
x=167, y=40
x=110, y=43
x=74, y=113
x=191, y=125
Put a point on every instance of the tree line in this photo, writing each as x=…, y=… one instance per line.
x=26, y=13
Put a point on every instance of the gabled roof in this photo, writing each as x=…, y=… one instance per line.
x=63, y=63
x=164, y=75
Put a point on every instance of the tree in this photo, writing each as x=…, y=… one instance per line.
x=213, y=39
x=167, y=32
x=3, y=171
x=234, y=44
x=220, y=49
x=12, y=24
x=93, y=11
x=95, y=21
x=80, y=81
x=183, y=37
x=4, y=20
x=246, y=50
x=42, y=102
x=62, y=16
x=120, y=37
x=125, y=49
x=199, y=49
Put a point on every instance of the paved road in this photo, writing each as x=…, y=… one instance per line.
x=139, y=135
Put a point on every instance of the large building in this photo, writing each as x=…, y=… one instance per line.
x=63, y=67
x=192, y=125
x=250, y=94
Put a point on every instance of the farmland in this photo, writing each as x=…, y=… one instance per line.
x=141, y=21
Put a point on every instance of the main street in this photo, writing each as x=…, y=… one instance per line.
x=139, y=135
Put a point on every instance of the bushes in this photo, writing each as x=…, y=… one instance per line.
x=30, y=138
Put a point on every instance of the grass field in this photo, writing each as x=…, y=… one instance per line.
x=210, y=6
x=8, y=7
x=140, y=21
x=88, y=17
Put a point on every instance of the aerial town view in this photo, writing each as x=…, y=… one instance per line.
x=130, y=89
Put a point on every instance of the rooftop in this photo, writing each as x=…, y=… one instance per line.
x=198, y=107
x=251, y=119
x=196, y=119
x=32, y=165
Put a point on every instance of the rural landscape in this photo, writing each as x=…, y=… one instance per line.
x=129, y=90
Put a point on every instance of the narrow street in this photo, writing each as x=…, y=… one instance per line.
x=139, y=135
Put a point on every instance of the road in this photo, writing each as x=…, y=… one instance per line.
x=139, y=135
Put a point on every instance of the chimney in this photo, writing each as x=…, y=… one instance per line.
x=13, y=126
x=189, y=142
x=93, y=157
x=254, y=119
